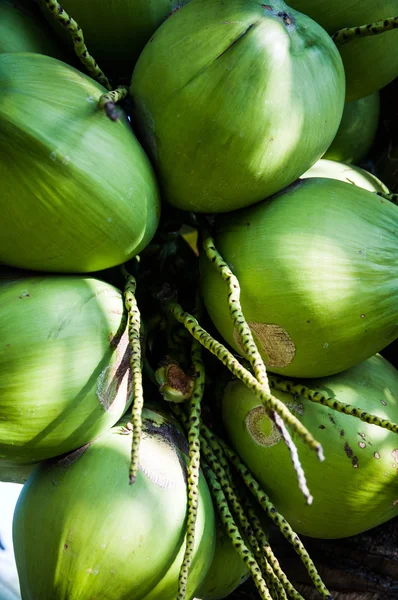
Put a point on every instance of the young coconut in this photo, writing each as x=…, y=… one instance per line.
x=370, y=63
x=64, y=365
x=252, y=95
x=20, y=31
x=81, y=531
x=331, y=169
x=78, y=192
x=318, y=276
x=356, y=488
x=357, y=130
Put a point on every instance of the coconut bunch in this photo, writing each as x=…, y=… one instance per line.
x=275, y=263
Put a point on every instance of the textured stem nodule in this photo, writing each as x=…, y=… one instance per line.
x=134, y=327
x=78, y=42
x=108, y=101
x=352, y=33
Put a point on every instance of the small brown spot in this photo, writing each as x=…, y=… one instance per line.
x=66, y=546
x=341, y=432
x=384, y=403
x=331, y=419
x=395, y=502
x=89, y=571
x=267, y=6
x=355, y=462
x=348, y=450
x=362, y=316
x=376, y=455
x=362, y=444
x=322, y=427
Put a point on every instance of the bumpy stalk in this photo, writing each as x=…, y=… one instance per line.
x=134, y=327
x=269, y=555
x=234, y=534
x=222, y=472
x=251, y=351
x=236, y=313
x=194, y=464
x=78, y=42
x=277, y=518
x=109, y=100
x=228, y=359
x=320, y=398
x=347, y=34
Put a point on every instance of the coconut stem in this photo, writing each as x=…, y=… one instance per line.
x=391, y=197
x=351, y=33
x=78, y=42
x=332, y=403
x=228, y=359
x=234, y=533
x=235, y=311
x=250, y=349
x=224, y=477
x=194, y=464
x=277, y=518
x=269, y=555
x=109, y=100
x=134, y=327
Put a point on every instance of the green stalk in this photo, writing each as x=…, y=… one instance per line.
x=342, y=36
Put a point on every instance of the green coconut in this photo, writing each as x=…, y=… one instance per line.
x=20, y=31
x=227, y=570
x=357, y=130
x=115, y=32
x=318, y=274
x=370, y=63
x=251, y=96
x=356, y=487
x=64, y=365
x=332, y=169
x=82, y=531
x=78, y=193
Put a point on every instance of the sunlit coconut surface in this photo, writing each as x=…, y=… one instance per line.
x=9, y=585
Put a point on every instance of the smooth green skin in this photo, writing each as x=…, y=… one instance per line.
x=369, y=63
x=115, y=31
x=317, y=261
x=357, y=130
x=82, y=531
x=21, y=32
x=60, y=386
x=227, y=570
x=16, y=473
x=246, y=105
x=78, y=193
x=332, y=169
x=348, y=499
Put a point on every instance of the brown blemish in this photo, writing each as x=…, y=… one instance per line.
x=395, y=502
x=363, y=316
x=376, y=455
x=253, y=421
x=362, y=444
x=115, y=375
x=267, y=6
x=66, y=546
x=348, y=450
x=341, y=432
x=178, y=379
x=355, y=462
x=331, y=419
x=322, y=427
x=274, y=341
